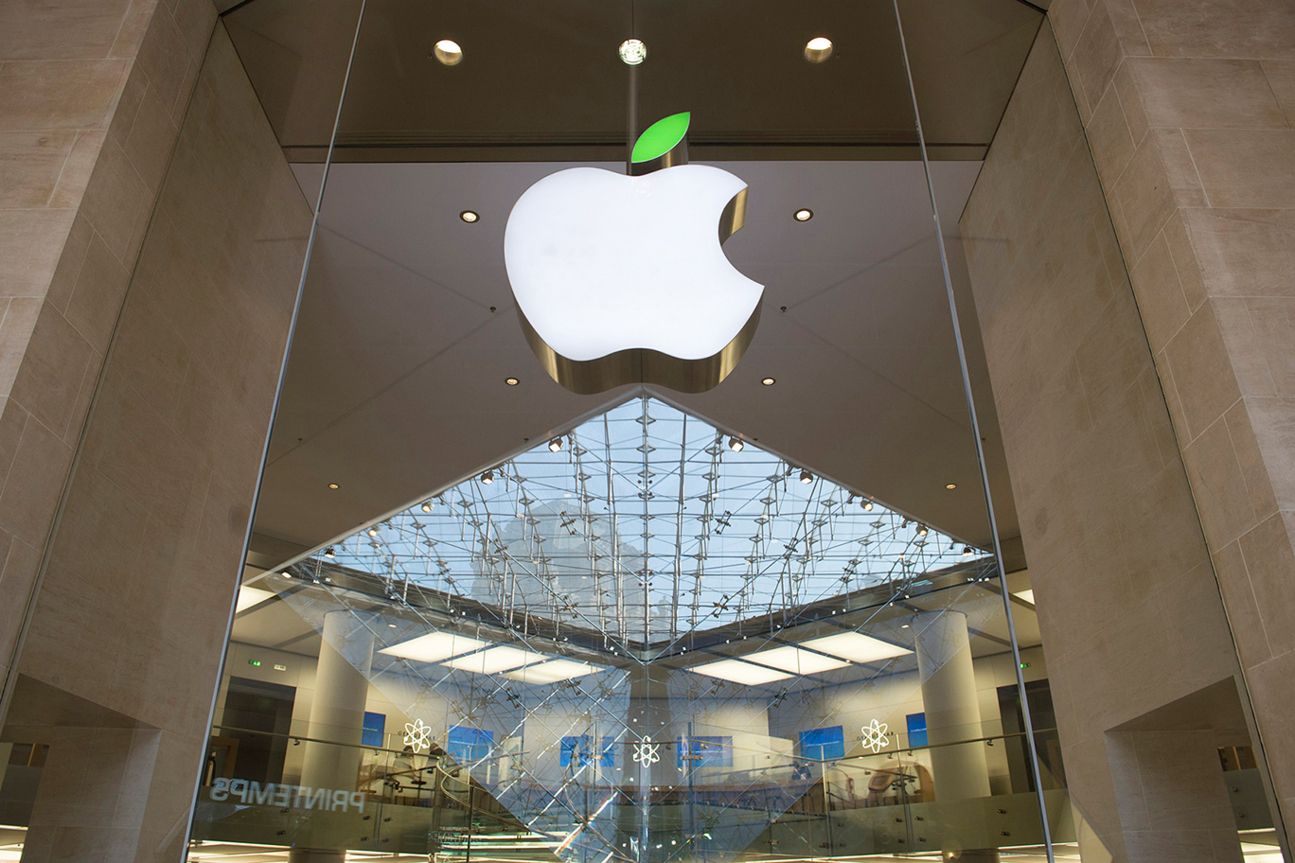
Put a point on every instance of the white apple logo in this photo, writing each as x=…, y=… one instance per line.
x=622, y=279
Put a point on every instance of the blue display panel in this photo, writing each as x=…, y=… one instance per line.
x=823, y=744
x=375, y=724
x=917, y=729
x=580, y=749
x=467, y=744
x=704, y=751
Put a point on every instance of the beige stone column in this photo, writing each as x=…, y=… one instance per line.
x=168, y=415
x=949, y=700
x=333, y=754
x=92, y=94
x=1128, y=604
x=1189, y=107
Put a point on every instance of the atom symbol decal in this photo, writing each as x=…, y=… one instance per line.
x=418, y=735
x=875, y=735
x=647, y=752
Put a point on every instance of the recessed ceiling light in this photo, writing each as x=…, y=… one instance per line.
x=470, y=216
x=448, y=52
x=768, y=382
x=632, y=52
x=333, y=486
x=511, y=381
x=818, y=49
x=434, y=646
x=856, y=647
x=737, y=671
x=804, y=214
x=950, y=485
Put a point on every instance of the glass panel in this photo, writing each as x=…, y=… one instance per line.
x=1097, y=494
x=757, y=621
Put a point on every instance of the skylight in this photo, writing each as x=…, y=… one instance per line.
x=643, y=524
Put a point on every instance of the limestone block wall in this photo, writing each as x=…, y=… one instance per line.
x=1128, y=606
x=92, y=93
x=1189, y=108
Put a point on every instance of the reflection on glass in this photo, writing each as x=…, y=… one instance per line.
x=685, y=627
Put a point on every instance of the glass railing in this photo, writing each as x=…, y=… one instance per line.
x=402, y=802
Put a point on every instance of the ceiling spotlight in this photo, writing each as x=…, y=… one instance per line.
x=632, y=52
x=373, y=531
x=488, y=477
x=328, y=552
x=804, y=214
x=806, y=477
x=966, y=551
x=736, y=444
x=470, y=216
x=511, y=381
x=867, y=505
x=768, y=382
x=818, y=49
x=448, y=52
x=286, y=574
x=333, y=486
x=427, y=506
x=555, y=445
x=950, y=485
x=921, y=530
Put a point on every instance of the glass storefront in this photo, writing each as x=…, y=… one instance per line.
x=655, y=624
x=498, y=610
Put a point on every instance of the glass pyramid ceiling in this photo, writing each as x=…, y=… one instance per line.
x=645, y=524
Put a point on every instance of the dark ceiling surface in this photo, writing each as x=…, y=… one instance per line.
x=545, y=86
x=408, y=326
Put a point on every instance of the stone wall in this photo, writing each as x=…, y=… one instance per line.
x=1128, y=605
x=144, y=561
x=92, y=93
x=1189, y=107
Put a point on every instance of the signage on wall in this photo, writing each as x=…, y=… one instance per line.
x=622, y=279
x=646, y=752
x=418, y=736
x=875, y=735
x=252, y=793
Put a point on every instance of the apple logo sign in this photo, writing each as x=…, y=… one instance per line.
x=622, y=278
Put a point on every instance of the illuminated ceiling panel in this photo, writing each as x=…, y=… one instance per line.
x=856, y=647
x=795, y=660
x=737, y=671
x=552, y=671
x=434, y=647
x=495, y=660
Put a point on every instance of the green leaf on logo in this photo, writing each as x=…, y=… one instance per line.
x=661, y=137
